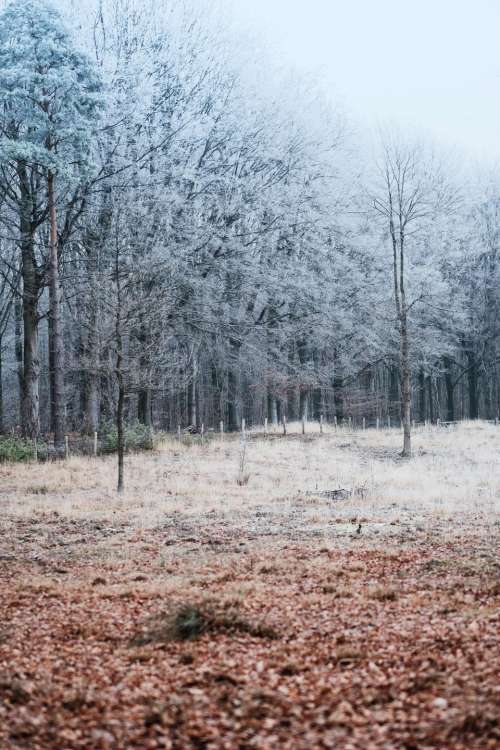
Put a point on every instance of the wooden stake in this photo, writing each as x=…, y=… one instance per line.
x=243, y=427
x=284, y=425
x=335, y=422
x=179, y=433
x=265, y=426
x=303, y=426
x=95, y=443
x=221, y=429
x=364, y=423
x=378, y=423
x=202, y=430
x=66, y=446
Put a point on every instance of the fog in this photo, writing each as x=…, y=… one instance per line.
x=432, y=66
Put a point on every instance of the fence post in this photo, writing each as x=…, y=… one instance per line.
x=320, y=424
x=95, y=443
x=265, y=426
x=66, y=446
x=284, y=425
x=202, y=430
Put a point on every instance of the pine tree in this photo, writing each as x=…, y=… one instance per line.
x=50, y=101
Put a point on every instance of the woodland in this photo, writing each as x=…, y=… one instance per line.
x=286, y=329
x=187, y=239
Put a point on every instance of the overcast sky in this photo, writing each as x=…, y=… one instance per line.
x=432, y=64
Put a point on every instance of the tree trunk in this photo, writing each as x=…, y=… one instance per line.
x=92, y=408
x=317, y=401
x=57, y=345
x=472, y=378
x=395, y=407
x=18, y=351
x=144, y=407
x=1, y=389
x=30, y=405
x=92, y=404
x=304, y=403
x=338, y=398
x=119, y=423
x=422, y=414
x=273, y=416
x=52, y=393
x=192, y=414
x=406, y=387
x=448, y=379
x=120, y=431
x=233, y=385
x=430, y=394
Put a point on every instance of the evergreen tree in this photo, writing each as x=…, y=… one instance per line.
x=50, y=99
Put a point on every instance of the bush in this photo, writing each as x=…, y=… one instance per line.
x=189, y=621
x=189, y=441
x=16, y=449
x=138, y=437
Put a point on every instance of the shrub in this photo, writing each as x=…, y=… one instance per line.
x=189, y=441
x=137, y=437
x=189, y=621
x=16, y=449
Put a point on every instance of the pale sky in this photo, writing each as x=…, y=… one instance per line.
x=433, y=65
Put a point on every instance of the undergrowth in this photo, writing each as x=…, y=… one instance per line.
x=191, y=620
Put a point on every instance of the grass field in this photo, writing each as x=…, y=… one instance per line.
x=214, y=605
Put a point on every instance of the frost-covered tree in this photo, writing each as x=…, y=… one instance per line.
x=50, y=98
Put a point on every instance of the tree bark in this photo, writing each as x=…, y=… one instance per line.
x=448, y=379
x=119, y=421
x=30, y=404
x=1, y=388
x=92, y=407
x=233, y=385
x=430, y=395
x=421, y=396
x=18, y=351
x=120, y=431
x=56, y=343
x=144, y=407
x=406, y=387
x=338, y=398
x=472, y=381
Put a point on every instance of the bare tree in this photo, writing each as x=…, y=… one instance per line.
x=411, y=193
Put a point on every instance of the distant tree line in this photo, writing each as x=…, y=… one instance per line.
x=188, y=235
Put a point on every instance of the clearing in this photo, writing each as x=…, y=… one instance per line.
x=196, y=612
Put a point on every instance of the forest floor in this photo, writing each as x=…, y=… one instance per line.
x=192, y=612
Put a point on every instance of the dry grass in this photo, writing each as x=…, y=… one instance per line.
x=454, y=470
x=274, y=617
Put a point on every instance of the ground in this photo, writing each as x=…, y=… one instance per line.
x=368, y=620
